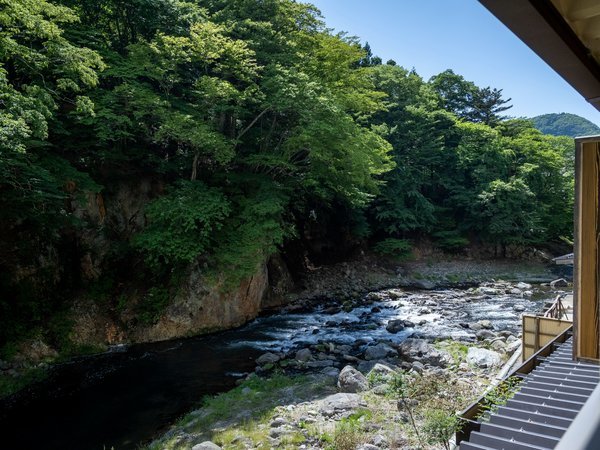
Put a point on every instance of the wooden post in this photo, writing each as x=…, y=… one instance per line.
x=586, y=277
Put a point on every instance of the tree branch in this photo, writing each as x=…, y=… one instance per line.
x=256, y=119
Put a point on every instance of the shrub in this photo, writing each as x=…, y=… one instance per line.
x=393, y=247
x=182, y=224
x=450, y=241
x=439, y=426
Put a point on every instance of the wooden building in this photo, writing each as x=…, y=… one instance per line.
x=566, y=35
x=557, y=402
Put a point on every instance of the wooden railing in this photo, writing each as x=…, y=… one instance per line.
x=469, y=417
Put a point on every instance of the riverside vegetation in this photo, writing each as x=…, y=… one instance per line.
x=400, y=389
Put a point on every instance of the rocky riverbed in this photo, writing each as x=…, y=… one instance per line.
x=383, y=370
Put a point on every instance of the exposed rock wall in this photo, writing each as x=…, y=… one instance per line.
x=200, y=308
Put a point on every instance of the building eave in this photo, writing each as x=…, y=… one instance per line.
x=546, y=31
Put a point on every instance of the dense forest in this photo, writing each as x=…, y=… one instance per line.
x=245, y=128
x=565, y=124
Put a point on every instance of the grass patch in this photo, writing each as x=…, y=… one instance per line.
x=9, y=384
x=457, y=350
x=241, y=417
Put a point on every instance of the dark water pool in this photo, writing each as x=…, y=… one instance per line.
x=121, y=400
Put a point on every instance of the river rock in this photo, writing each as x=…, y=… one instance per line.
x=512, y=346
x=409, y=324
x=351, y=380
x=424, y=284
x=395, y=325
x=414, y=348
x=483, y=358
x=519, y=308
x=523, y=286
x=338, y=403
x=331, y=372
x=485, y=334
x=561, y=282
x=381, y=371
x=320, y=364
x=277, y=432
x=206, y=445
x=512, y=338
x=475, y=326
x=303, y=355
x=498, y=345
x=267, y=358
x=488, y=291
x=420, y=350
x=486, y=324
x=379, y=351
x=418, y=367
x=379, y=440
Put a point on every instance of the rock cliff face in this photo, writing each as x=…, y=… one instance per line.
x=199, y=307
x=93, y=254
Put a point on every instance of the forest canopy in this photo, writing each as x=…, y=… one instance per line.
x=565, y=124
x=254, y=122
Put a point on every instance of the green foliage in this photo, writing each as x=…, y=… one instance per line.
x=182, y=224
x=348, y=433
x=262, y=124
x=153, y=304
x=450, y=241
x=393, y=247
x=565, y=124
x=439, y=427
x=467, y=100
x=10, y=385
x=499, y=395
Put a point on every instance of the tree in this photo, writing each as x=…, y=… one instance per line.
x=487, y=105
x=467, y=101
x=509, y=212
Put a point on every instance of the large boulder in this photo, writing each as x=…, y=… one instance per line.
x=485, y=334
x=351, y=380
x=561, y=282
x=339, y=403
x=267, y=358
x=413, y=349
x=206, y=445
x=395, y=325
x=422, y=351
x=483, y=358
x=303, y=355
x=379, y=351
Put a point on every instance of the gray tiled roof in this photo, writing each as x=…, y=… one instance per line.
x=547, y=401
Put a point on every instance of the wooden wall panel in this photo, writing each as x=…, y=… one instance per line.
x=586, y=329
x=539, y=331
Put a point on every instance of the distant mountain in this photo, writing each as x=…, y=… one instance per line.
x=565, y=124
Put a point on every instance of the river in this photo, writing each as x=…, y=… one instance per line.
x=124, y=398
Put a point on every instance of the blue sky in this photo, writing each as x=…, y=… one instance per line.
x=435, y=35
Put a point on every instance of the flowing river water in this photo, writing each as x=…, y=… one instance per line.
x=124, y=398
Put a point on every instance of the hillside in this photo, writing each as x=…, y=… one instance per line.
x=162, y=180
x=565, y=124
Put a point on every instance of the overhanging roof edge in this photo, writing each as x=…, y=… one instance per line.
x=556, y=45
